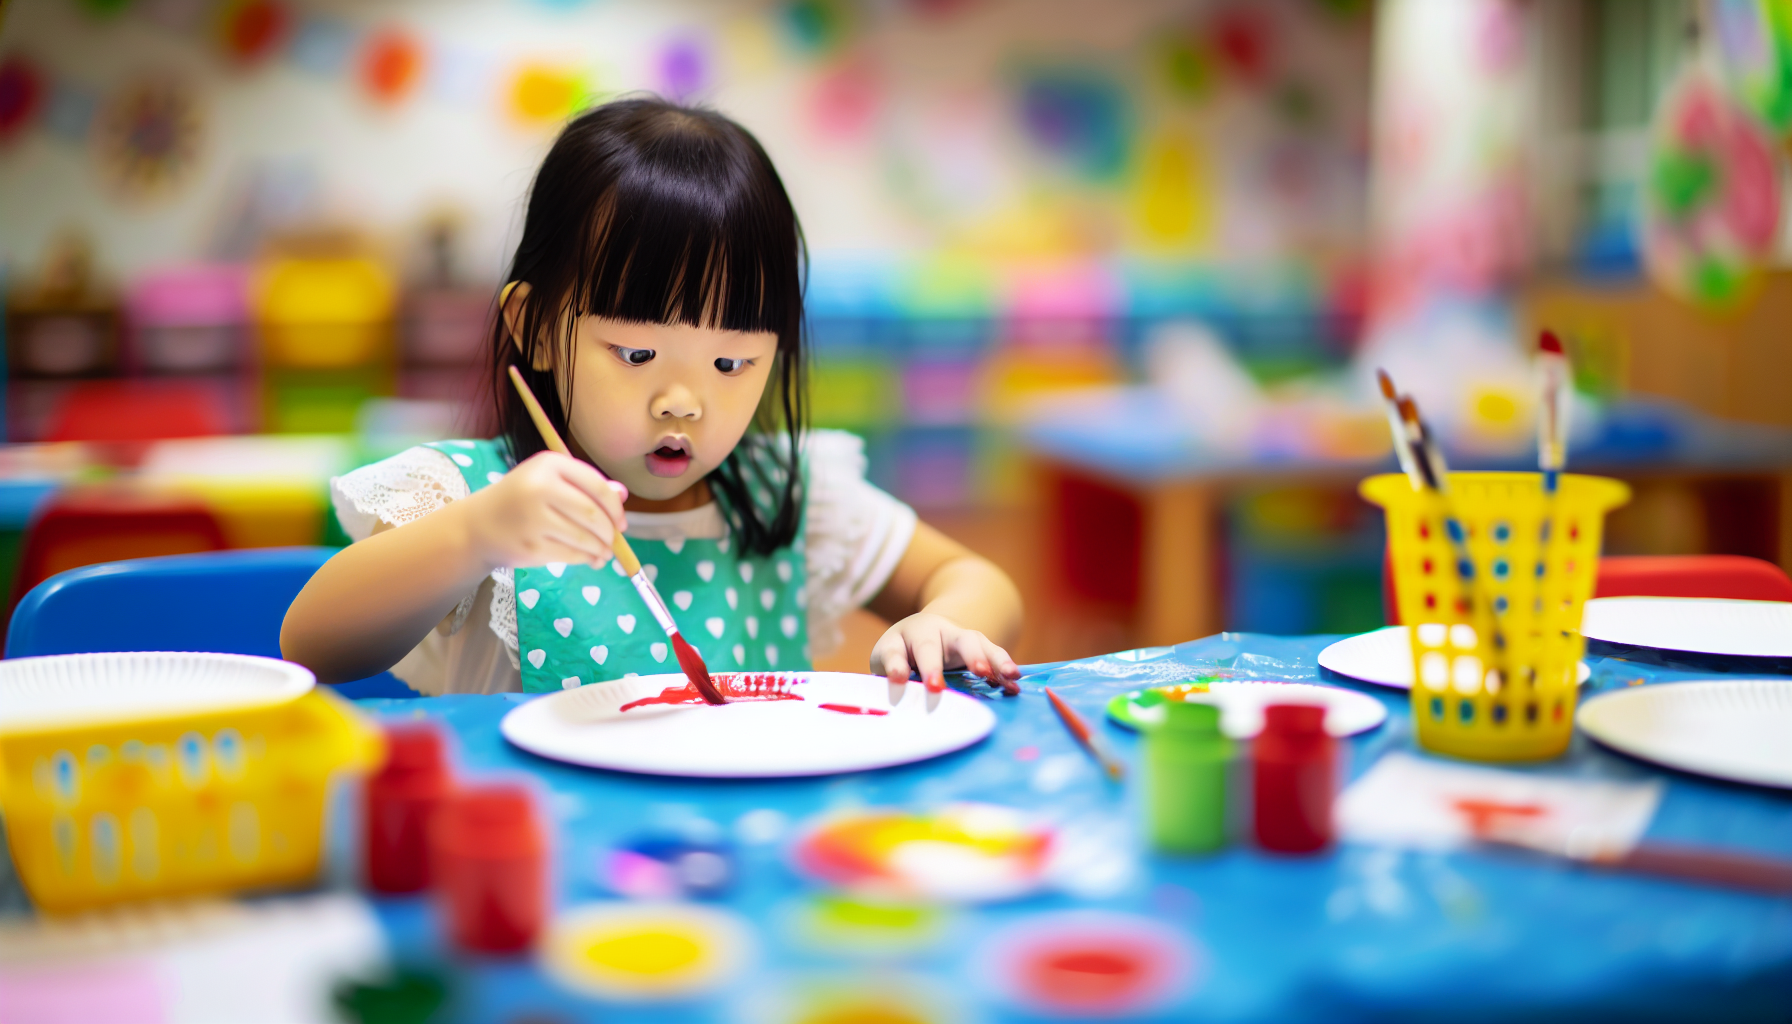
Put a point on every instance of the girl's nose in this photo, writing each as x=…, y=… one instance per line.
x=677, y=402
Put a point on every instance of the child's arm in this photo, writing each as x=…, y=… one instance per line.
x=378, y=598
x=951, y=609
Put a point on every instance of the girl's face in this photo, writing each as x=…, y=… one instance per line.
x=657, y=406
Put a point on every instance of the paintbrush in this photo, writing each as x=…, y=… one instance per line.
x=1085, y=736
x=1403, y=445
x=688, y=658
x=1426, y=451
x=1436, y=473
x=1686, y=863
x=1552, y=423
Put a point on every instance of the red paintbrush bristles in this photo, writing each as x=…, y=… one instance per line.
x=1409, y=413
x=1387, y=386
x=1550, y=343
x=695, y=670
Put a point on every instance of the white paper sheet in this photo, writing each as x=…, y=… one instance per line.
x=1415, y=802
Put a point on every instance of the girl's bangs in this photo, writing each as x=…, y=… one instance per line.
x=686, y=252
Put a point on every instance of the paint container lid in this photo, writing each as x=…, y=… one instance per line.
x=1186, y=719
x=489, y=822
x=1294, y=720
x=415, y=755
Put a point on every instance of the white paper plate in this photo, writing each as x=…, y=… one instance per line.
x=749, y=739
x=1241, y=703
x=78, y=689
x=1703, y=625
x=1738, y=729
x=1382, y=657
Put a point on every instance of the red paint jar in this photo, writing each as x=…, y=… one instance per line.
x=400, y=801
x=1294, y=776
x=491, y=868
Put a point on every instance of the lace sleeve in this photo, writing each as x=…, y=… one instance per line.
x=503, y=615
x=396, y=491
x=855, y=534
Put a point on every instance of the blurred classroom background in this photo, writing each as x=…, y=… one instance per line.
x=1101, y=284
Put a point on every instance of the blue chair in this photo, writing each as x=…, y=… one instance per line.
x=227, y=601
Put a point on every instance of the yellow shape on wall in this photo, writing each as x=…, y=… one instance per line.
x=1173, y=197
x=540, y=94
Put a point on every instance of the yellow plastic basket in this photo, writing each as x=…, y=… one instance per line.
x=1495, y=659
x=146, y=804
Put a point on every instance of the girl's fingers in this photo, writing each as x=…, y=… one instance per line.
x=999, y=660
x=890, y=658
x=608, y=494
x=578, y=508
x=984, y=657
x=928, y=658
x=1005, y=671
x=568, y=532
x=555, y=551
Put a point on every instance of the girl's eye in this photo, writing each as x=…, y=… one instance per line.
x=731, y=366
x=634, y=356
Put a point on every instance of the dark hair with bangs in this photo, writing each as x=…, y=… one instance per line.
x=649, y=212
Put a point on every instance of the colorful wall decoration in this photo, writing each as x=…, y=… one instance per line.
x=999, y=196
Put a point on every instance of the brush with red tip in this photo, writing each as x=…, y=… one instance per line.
x=1403, y=442
x=1552, y=423
x=688, y=658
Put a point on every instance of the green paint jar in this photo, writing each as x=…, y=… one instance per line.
x=1186, y=764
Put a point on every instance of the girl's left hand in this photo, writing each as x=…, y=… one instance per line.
x=928, y=644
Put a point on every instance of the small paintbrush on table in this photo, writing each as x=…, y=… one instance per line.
x=688, y=658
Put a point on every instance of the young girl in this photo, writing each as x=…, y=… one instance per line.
x=655, y=308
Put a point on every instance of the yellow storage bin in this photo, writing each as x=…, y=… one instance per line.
x=1495, y=661
x=325, y=313
x=148, y=775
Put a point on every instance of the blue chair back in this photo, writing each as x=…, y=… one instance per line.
x=231, y=602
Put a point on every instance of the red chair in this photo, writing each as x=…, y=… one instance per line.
x=84, y=526
x=1732, y=576
x=138, y=410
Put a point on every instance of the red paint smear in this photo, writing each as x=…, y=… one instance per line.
x=853, y=709
x=696, y=671
x=1485, y=815
x=1088, y=977
x=735, y=687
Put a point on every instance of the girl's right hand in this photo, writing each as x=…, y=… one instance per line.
x=550, y=508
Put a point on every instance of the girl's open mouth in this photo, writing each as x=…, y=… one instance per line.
x=670, y=459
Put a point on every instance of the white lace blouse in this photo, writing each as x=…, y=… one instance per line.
x=855, y=535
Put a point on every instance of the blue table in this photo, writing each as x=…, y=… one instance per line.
x=1358, y=934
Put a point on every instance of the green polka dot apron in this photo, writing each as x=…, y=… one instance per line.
x=577, y=625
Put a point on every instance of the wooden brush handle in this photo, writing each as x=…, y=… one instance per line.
x=551, y=437
x=1719, y=867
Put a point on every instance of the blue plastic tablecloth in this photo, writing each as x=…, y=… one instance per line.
x=1361, y=933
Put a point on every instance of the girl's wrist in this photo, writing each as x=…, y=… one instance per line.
x=469, y=537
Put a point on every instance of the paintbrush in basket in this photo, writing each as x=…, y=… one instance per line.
x=688, y=658
x=1436, y=473
x=1403, y=444
x=1552, y=423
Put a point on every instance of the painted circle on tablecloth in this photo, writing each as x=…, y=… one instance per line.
x=645, y=951
x=841, y=924
x=1088, y=963
x=1711, y=195
x=961, y=852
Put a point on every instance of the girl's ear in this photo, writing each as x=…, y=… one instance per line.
x=511, y=302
